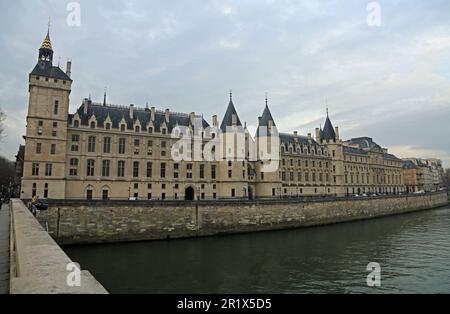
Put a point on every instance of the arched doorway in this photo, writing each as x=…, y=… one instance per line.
x=189, y=194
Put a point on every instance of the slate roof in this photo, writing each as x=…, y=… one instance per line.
x=46, y=69
x=290, y=138
x=328, y=132
x=408, y=164
x=354, y=150
x=264, y=121
x=228, y=118
x=116, y=113
x=365, y=142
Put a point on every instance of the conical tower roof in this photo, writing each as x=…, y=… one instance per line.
x=228, y=118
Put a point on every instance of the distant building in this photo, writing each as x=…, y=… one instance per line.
x=423, y=174
x=103, y=151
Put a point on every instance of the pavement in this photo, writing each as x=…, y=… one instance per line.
x=4, y=249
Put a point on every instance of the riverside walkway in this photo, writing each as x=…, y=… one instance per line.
x=4, y=249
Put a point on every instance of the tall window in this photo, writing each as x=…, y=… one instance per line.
x=46, y=190
x=73, y=167
x=33, y=192
x=53, y=149
x=48, y=170
x=56, y=107
x=136, y=169
x=213, y=172
x=91, y=144
x=149, y=169
x=202, y=171
x=90, y=167
x=38, y=148
x=35, y=169
x=163, y=170
x=105, y=168
x=107, y=145
x=92, y=125
x=121, y=146
x=121, y=168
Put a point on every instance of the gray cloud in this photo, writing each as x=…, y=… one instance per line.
x=389, y=82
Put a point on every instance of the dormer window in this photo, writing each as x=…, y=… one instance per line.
x=76, y=123
x=150, y=130
x=122, y=128
x=37, y=78
x=108, y=126
x=164, y=131
x=92, y=125
x=137, y=129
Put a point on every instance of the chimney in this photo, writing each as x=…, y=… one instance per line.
x=167, y=116
x=214, y=120
x=317, y=134
x=337, y=133
x=85, y=105
x=309, y=136
x=295, y=133
x=69, y=68
x=152, y=114
x=131, y=111
x=192, y=116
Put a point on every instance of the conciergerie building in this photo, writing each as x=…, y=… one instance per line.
x=109, y=152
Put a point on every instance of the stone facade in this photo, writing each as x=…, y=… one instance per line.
x=426, y=175
x=107, y=152
x=100, y=222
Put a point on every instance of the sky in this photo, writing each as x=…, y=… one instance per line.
x=388, y=80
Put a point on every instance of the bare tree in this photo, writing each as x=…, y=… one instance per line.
x=2, y=118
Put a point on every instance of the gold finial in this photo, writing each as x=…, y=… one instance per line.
x=47, y=44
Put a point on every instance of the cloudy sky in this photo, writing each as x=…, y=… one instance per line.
x=390, y=82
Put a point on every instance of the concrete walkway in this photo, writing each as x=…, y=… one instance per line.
x=4, y=249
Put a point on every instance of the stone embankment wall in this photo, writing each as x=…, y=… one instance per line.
x=38, y=264
x=102, y=222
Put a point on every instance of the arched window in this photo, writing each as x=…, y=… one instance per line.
x=108, y=126
x=92, y=125
x=137, y=129
x=76, y=123
x=122, y=128
x=150, y=130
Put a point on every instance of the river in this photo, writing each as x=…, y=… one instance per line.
x=413, y=251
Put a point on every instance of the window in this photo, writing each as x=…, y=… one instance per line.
x=121, y=146
x=107, y=145
x=233, y=193
x=230, y=174
x=53, y=149
x=74, y=148
x=38, y=148
x=202, y=171
x=163, y=170
x=56, y=107
x=150, y=148
x=136, y=146
x=90, y=168
x=149, y=169
x=48, y=170
x=76, y=123
x=108, y=126
x=213, y=172
x=164, y=131
x=46, y=190
x=35, y=169
x=92, y=125
x=121, y=168
x=33, y=192
x=105, y=168
x=150, y=130
x=73, y=167
x=89, y=195
x=137, y=129
x=54, y=133
x=55, y=124
x=122, y=127
x=91, y=144
x=136, y=169
x=105, y=195
x=75, y=138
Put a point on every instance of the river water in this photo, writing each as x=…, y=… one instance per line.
x=413, y=251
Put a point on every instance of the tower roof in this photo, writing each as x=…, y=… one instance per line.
x=267, y=116
x=328, y=132
x=47, y=44
x=228, y=118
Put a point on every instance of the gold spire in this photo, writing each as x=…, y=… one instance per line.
x=47, y=44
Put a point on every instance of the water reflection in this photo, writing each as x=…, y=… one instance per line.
x=413, y=250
